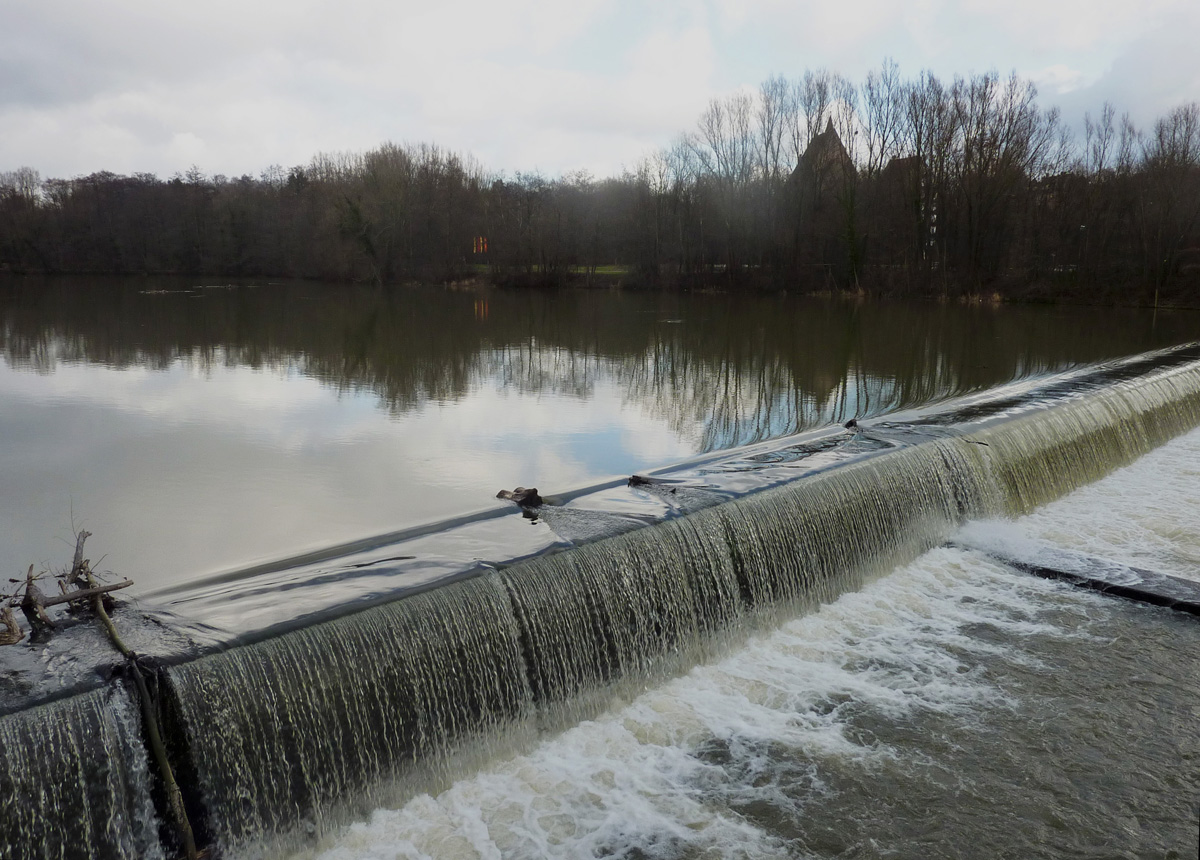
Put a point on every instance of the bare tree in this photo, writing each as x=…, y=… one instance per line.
x=1005, y=139
x=814, y=94
x=1099, y=148
x=929, y=134
x=881, y=117
x=1168, y=209
x=904, y=183
x=727, y=148
x=771, y=115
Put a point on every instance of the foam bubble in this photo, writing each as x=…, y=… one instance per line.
x=664, y=774
x=1145, y=515
x=910, y=698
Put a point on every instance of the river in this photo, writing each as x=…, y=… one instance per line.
x=806, y=647
x=953, y=708
x=198, y=429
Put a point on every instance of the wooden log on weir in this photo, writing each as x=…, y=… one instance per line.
x=84, y=593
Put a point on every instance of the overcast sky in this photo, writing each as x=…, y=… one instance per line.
x=553, y=85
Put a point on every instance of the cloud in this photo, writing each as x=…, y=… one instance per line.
x=1068, y=25
x=132, y=85
x=1057, y=79
x=137, y=86
x=196, y=468
x=1152, y=74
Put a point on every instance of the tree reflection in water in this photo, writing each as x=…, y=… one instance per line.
x=741, y=368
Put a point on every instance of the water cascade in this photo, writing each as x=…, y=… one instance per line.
x=285, y=737
x=75, y=782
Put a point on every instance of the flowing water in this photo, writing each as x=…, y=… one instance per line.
x=198, y=429
x=953, y=708
x=74, y=781
x=800, y=648
x=406, y=696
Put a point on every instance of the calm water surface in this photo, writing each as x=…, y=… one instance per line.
x=200, y=429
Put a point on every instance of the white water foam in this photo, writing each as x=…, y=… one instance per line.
x=881, y=684
x=1146, y=515
x=645, y=776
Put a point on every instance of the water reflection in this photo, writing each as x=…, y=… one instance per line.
x=740, y=368
x=199, y=429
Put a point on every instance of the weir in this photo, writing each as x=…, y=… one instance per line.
x=75, y=782
x=280, y=739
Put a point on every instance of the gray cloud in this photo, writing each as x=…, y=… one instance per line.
x=133, y=85
x=1158, y=71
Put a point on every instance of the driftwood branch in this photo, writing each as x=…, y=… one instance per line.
x=12, y=633
x=149, y=716
x=85, y=593
x=79, y=585
x=35, y=601
x=33, y=604
x=78, y=574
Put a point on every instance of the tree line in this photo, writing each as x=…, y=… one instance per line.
x=901, y=185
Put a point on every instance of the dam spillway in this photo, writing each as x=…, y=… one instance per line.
x=76, y=780
x=283, y=737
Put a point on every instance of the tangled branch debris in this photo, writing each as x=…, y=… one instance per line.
x=77, y=587
x=81, y=591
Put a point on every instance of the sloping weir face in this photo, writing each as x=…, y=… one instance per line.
x=286, y=736
x=75, y=782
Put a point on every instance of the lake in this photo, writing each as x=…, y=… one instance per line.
x=201, y=429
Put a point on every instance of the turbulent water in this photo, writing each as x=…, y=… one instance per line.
x=402, y=697
x=663, y=691
x=952, y=708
